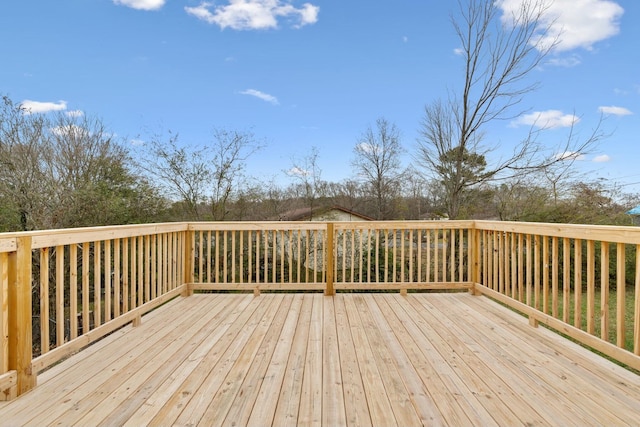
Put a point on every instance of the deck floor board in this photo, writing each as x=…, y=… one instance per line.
x=545, y=372
x=352, y=359
x=518, y=368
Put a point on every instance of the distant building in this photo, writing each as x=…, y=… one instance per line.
x=635, y=213
x=311, y=250
x=328, y=213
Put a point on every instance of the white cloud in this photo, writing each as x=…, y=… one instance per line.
x=70, y=130
x=549, y=119
x=565, y=61
x=42, y=107
x=458, y=51
x=296, y=171
x=137, y=142
x=141, y=4
x=570, y=155
x=367, y=148
x=75, y=113
x=601, y=158
x=577, y=23
x=615, y=111
x=254, y=14
x=405, y=39
x=261, y=95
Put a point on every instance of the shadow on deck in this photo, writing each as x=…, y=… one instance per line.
x=352, y=359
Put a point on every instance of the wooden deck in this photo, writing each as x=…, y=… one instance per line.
x=352, y=359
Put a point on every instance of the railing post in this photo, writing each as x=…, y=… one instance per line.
x=330, y=254
x=20, y=334
x=474, y=257
x=187, y=260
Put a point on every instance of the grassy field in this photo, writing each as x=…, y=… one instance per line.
x=598, y=314
x=629, y=307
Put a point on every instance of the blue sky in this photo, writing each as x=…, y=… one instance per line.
x=308, y=74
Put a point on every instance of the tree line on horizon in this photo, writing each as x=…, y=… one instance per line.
x=60, y=172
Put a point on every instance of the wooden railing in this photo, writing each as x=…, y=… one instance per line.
x=61, y=290
x=581, y=280
x=402, y=255
x=259, y=256
x=365, y=255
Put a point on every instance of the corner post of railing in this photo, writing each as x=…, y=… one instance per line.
x=19, y=319
x=330, y=253
x=187, y=260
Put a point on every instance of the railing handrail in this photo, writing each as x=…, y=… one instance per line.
x=612, y=233
x=608, y=233
x=68, y=236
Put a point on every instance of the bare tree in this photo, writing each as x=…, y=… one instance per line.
x=308, y=175
x=198, y=176
x=348, y=194
x=230, y=150
x=182, y=172
x=499, y=57
x=274, y=200
x=416, y=193
x=93, y=177
x=377, y=163
x=520, y=199
x=23, y=188
x=66, y=171
x=560, y=174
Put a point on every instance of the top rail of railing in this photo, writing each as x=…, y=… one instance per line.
x=607, y=233
x=42, y=238
x=68, y=236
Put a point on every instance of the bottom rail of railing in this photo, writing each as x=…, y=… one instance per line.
x=536, y=316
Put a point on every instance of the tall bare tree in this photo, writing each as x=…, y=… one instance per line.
x=500, y=54
x=377, y=163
